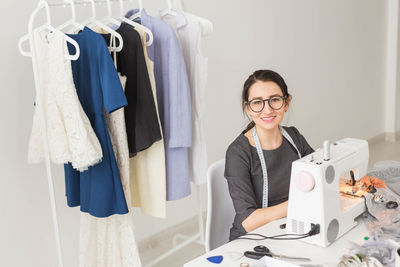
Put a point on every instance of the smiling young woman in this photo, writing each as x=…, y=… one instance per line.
x=259, y=160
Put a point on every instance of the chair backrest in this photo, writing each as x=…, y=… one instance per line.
x=220, y=212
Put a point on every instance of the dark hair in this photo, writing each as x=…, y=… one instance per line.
x=264, y=76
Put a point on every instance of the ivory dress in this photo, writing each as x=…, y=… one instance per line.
x=147, y=168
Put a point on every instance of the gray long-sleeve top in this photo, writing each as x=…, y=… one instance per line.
x=245, y=179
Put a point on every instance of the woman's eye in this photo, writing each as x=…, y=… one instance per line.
x=275, y=99
x=256, y=102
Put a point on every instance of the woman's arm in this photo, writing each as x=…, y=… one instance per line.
x=238, y=176
x=263, y=216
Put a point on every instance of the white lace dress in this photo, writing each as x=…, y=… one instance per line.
x=69, y=133
x=110, y=241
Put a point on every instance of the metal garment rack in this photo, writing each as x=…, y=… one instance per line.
x=87, y=2
x=42, y=5
x=196, y=238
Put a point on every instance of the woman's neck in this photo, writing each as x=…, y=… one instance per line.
x=269, y=139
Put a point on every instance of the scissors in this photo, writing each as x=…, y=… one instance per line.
x=261, y=251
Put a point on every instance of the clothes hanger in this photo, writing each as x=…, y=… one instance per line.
x=169, y=10
x=135, y=24
x=206, y=25
x=47, y=26
x=72, y=21
x=93, y=20
x=138, y=14
x=109, y=19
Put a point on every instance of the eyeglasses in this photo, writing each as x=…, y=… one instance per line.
x=275, y=102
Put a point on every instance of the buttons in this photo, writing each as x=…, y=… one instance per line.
x=305, y=181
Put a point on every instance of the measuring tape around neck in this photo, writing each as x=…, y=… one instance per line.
x=263, y=163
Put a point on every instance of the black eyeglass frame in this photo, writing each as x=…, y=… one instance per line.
x=269, y=103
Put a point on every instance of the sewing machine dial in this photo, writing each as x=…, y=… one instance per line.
x=305, y=181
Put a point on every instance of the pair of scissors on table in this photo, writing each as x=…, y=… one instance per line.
x=261, y=251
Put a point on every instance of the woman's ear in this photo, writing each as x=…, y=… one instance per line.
x=246, y=108
x=249, y=114
x=287, y=103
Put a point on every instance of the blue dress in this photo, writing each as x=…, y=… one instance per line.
x=98, y=190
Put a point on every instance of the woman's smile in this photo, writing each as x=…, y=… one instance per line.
x=267, y=118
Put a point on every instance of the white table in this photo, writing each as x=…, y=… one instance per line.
x=329, y=256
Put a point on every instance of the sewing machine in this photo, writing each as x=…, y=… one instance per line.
x=314, y=196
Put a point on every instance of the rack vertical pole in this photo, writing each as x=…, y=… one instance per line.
x=39, y=106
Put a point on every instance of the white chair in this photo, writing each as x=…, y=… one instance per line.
x=220, y=211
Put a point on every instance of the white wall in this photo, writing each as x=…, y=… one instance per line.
x=397, y=106
x=391, y=69
x=331, y=54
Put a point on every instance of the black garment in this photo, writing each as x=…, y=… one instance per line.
x=141, y=118
x=245, y=179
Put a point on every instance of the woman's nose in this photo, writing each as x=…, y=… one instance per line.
x=267, y=108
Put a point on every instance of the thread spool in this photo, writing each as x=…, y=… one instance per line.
x=327, y=150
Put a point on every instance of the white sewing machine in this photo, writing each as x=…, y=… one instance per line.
x=314, y=196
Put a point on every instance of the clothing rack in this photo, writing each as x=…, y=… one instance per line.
x=87, y=2
x=42, y=4
x=196, y=238
x=199, y=236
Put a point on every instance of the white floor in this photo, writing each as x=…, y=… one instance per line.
x=179, y=258
x=378, y=152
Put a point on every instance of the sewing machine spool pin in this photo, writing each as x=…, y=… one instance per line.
x=327, y=150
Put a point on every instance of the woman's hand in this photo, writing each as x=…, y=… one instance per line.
x=263, y=216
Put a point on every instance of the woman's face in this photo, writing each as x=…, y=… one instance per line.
x=267, y=118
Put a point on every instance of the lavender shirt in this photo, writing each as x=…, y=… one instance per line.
x=174, y=103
